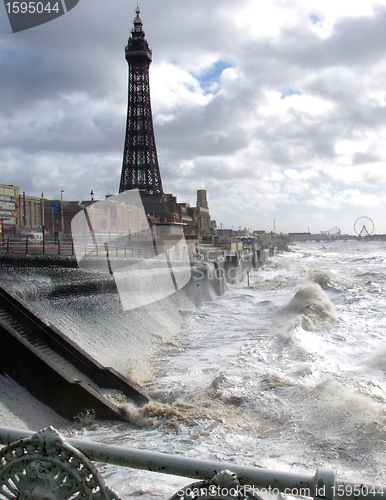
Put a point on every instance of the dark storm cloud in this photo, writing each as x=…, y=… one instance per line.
x=246, y=106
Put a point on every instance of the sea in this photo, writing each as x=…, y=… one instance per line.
x=285, y=370
x=286, y=373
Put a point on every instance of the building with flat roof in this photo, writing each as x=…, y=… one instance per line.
x=19, y=212
x=9, y=196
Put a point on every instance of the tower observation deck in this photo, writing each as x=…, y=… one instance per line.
x=140, y=169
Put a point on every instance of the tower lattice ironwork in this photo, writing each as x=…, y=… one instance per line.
x=140, y=167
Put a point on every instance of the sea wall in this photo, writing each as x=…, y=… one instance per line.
x=84, y=304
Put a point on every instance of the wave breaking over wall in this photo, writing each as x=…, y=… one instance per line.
x=84, y=304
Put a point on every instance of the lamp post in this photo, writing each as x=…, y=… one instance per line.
x=61, y=209
x=43, y=224
x=92, y=209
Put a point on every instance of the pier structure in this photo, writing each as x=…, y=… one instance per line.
x=292, y=237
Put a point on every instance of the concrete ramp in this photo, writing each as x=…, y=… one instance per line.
x=55, y=369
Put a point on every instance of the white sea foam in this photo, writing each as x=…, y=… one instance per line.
x=288, y=373
x=312, y=306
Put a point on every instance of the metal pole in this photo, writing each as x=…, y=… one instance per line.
x=43, y=224
x=61, y=209
x=53, y=223
x=24, y=211
x=321, y=484
x=93, y=222
x=42, y=215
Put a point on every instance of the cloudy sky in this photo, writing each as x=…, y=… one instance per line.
x=276, y=108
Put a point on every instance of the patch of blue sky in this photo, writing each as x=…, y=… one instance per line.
x=288, y=92
x=315, y=19
x=26, y=58
x=9, y=55
x=211, y=75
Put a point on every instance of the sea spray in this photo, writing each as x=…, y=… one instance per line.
x=313, y=308
x=85, y=305
x=275, y=374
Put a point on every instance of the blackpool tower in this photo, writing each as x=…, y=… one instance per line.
x=140, y=169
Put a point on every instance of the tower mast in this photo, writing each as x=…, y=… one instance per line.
x=140, y=167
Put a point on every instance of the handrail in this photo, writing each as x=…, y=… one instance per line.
x=321, y=484
x=66, y=247
x=51, y=246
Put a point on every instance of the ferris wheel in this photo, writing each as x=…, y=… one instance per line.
x=363, y=226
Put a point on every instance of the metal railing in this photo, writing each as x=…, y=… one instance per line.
x=321, y=484
x=58, y=247
x=51, y=246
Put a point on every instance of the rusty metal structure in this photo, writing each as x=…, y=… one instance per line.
x=140, y=169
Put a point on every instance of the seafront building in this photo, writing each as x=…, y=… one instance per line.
x=19, y=210
x=21, y=214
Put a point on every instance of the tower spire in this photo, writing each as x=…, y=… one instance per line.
x=140, y=167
